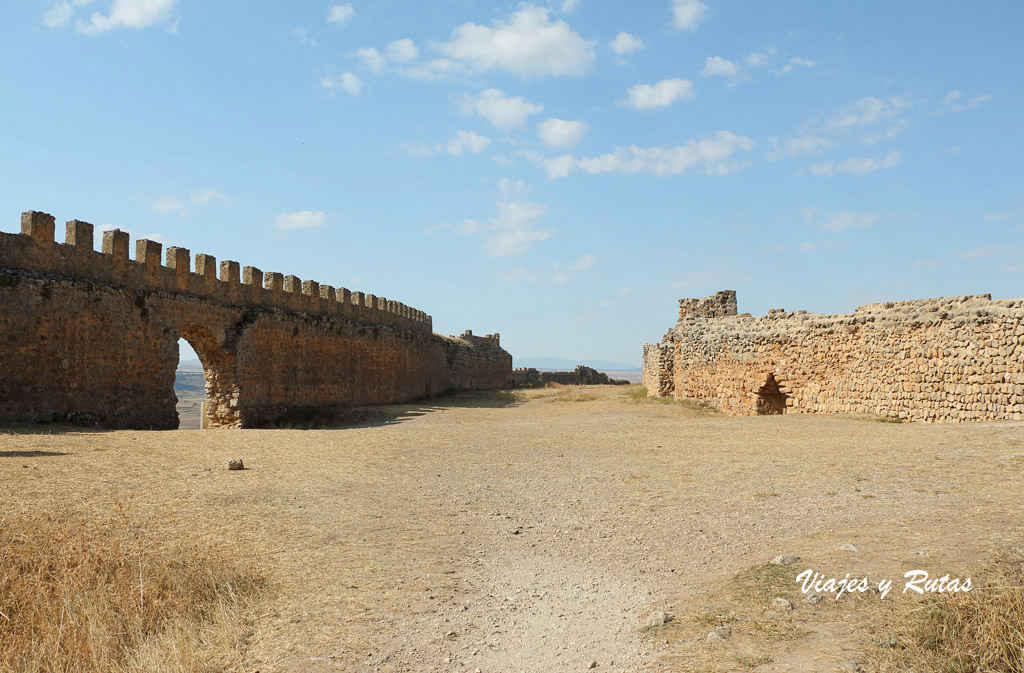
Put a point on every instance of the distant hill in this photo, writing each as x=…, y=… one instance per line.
x=564, y=364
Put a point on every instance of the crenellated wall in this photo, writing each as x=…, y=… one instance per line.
x=950, y=359
x=92, y=337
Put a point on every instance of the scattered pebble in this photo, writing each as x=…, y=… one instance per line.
x=723, y=631
x=780, y=603
x=849, y=546
x=785, y=559
x=592, y=664
x=849, y=665
x=814, y=599
x=236, y=464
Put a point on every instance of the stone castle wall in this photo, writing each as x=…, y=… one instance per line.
x=92, y=337
x=581, y=376
x=951, y=359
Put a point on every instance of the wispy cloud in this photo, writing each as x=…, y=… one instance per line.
x=856, y=166
x=514, y=231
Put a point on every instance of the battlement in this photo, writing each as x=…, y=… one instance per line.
x=488, y=339
x=35, y=249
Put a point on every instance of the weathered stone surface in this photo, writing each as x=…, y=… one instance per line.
x=91, y=337
x=950, y=359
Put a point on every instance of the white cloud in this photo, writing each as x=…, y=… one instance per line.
x=839, y=221
x=303, y=37
x=512, y=189
x=513, y=231
x=346, y=81
x=713, y=154
x=569, y=6
x=760, y=59
x=372, y=59
x=527, y=43
x=340, y=14
x=169, y=204
x=992, y=217
x=716, y=65
x=921, y=264
x=664, y=93
x=856, y=166
x=793, y=62
x=625, y=43
x=686, y=14
x=797, y=146
x=561, y=132
x=954, y=101
x=58, y=15
x=864, y=112
x=206, y=195
x=304, y=219
x=890, y=132
x=467, y=140
x=136, y=14
x=504, y=112
x=402, y=51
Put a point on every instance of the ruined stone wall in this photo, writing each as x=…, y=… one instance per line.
x=951, y=359
x=92, y=337
x=581, y=376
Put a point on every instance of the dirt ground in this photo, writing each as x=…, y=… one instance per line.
x=538, y=531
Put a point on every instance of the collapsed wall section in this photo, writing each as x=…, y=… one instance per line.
x=93, y=337
x=949, y=359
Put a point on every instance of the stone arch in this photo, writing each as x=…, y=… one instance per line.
x=771, y=401
x=221, y=377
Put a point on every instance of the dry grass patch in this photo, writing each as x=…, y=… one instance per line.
x=638, y=393
x=97, y=593
x=982, y=630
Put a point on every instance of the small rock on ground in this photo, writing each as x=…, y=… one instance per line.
x=780, y=603
x=236, y=464
x=714, y=638
x=659, y=619
x=849, y=546
x=814, y=599
x=785, y=559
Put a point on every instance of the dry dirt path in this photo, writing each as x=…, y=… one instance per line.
x=537, y=535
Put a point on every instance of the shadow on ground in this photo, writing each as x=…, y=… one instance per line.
x=32, y=454
x=392, y=414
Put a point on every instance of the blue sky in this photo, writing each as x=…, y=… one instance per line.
x=559, y=172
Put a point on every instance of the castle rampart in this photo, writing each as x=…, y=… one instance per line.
x=92, y=336
x=950, y=359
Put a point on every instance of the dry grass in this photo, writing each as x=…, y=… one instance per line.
x=638, y=393
x=982, y=630
x=82, y=593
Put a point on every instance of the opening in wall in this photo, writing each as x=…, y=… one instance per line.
x=770, y=400
x=190, y=387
